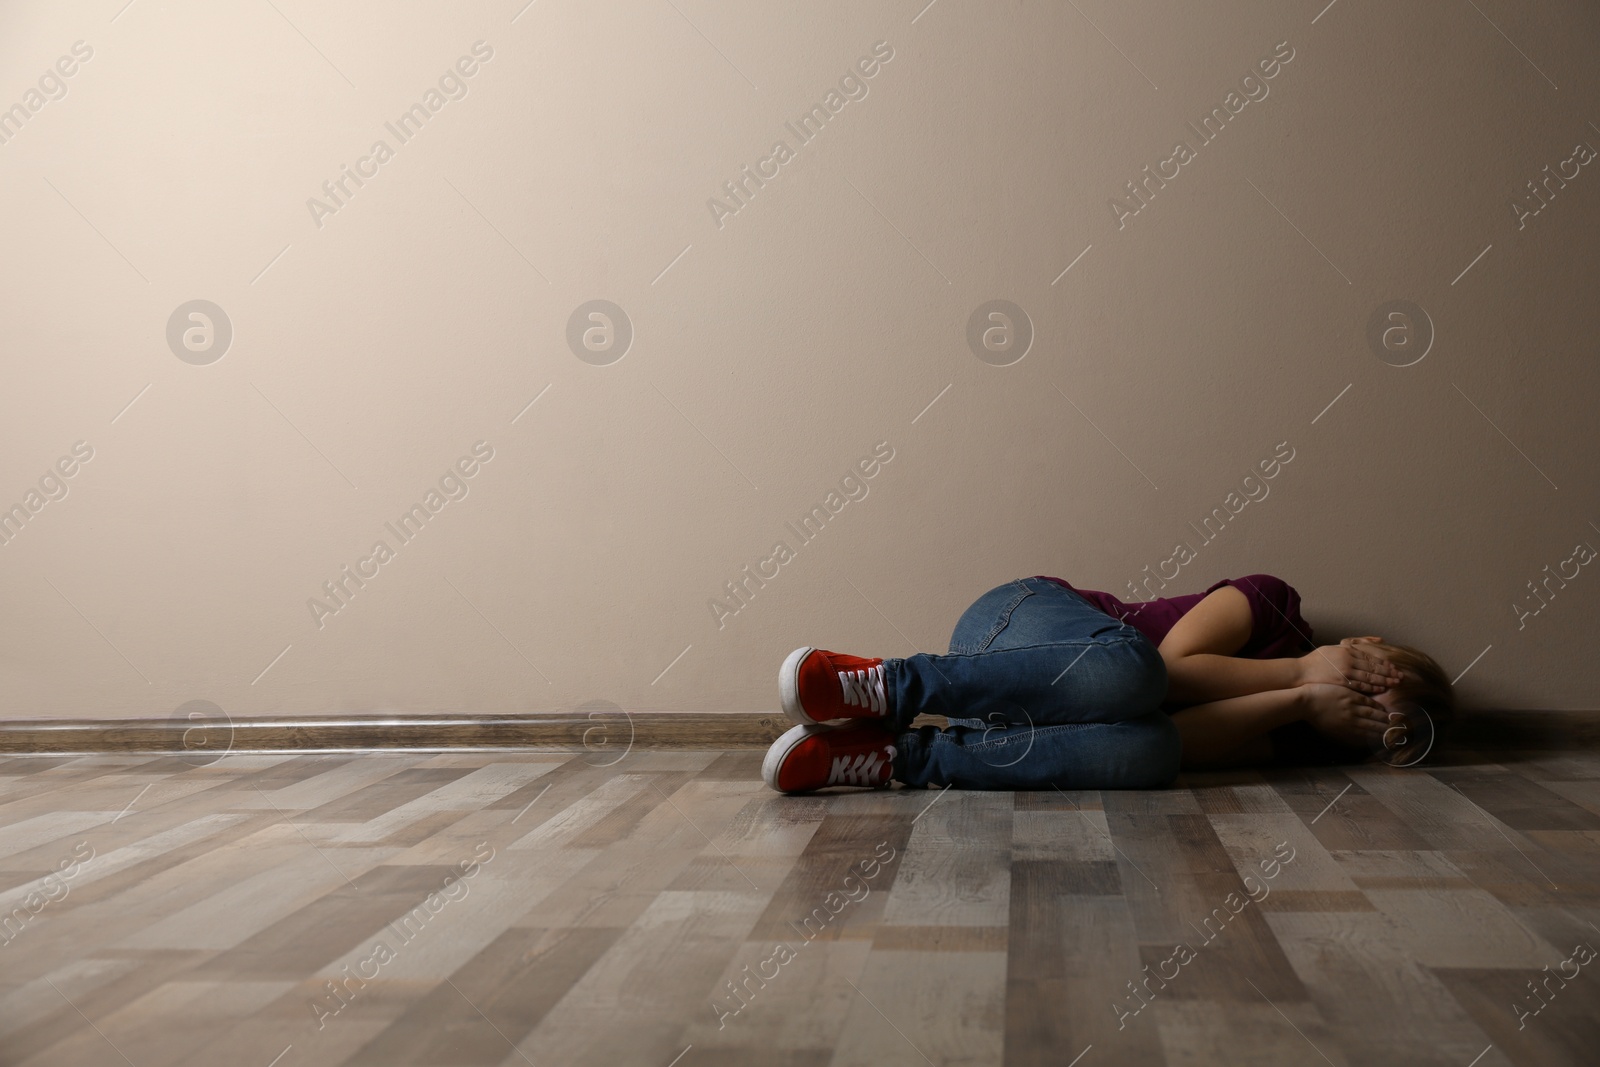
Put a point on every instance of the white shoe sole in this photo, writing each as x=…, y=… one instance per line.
x=789, y=686
x=780, y=751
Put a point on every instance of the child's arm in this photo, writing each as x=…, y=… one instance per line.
x=1201, y=665
x=1233, y=732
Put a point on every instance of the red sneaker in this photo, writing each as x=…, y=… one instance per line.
x=815, y=757
x=820, y=686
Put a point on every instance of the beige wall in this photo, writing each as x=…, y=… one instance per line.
x=377, y=339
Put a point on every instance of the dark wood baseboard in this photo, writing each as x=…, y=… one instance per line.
x=1528, y=729
x=599, y=732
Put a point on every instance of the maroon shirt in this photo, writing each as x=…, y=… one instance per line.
x=1277, y=630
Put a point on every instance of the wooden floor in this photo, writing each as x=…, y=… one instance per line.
x=523, y=907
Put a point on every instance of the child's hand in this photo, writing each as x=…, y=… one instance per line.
x=1348, y=664
x=1345, y=715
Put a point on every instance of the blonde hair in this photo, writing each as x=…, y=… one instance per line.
x=1423, y=682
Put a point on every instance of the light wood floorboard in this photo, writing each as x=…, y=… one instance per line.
x=509, y=907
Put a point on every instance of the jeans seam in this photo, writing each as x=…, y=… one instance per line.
x=1004, y=620
x=1035, y=730
x=1132, y=638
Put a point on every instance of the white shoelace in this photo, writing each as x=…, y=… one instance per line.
x=862, y=769
x=865, y=689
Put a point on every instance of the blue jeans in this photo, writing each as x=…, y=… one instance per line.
x=1042, y=689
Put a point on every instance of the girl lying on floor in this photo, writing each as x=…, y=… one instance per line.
x=1049, y=686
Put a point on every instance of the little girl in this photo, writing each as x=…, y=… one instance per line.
x=1048, y=686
